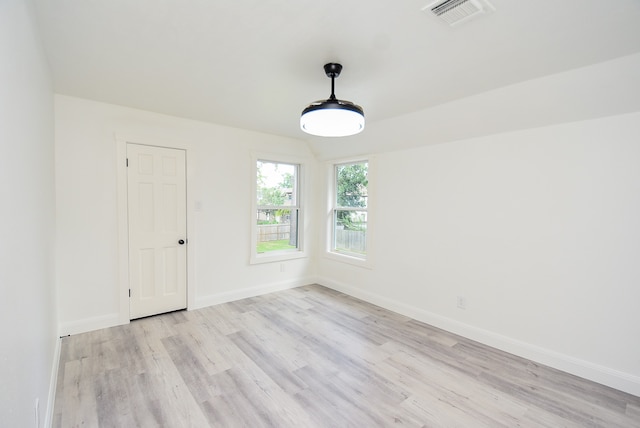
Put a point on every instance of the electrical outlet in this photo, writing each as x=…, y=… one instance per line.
x=462, y=302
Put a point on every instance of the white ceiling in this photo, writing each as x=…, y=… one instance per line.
x=255, y=64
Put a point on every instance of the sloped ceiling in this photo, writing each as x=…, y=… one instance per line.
x=256, y=64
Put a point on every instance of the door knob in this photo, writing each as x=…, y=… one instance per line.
x=181, y=242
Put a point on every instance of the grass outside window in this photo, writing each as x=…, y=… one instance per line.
x=279, y=245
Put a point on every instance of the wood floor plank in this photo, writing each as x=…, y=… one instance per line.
x=633, y=412
x=165, y=396
x=314, y=357
x=80, y=407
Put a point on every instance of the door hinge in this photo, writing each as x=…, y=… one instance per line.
x=127, y=162
x=129, y=292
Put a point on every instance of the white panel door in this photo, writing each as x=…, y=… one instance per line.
x=156, y=192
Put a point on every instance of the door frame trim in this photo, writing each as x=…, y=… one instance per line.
x=123, y=221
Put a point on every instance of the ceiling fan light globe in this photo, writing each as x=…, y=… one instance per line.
x=332, y=118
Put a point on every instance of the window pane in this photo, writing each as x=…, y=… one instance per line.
x=350, y=231
x=351, y=185
x=277, y=230
x=276, y=184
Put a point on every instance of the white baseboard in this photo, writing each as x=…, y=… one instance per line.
x=604, y=375
x=230, y=296
x=89, y=324
x=111, y=320
x=53, y=384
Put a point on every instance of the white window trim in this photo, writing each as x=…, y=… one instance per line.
x=329, y=253
x=278, y=256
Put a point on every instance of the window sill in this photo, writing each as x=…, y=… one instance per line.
x=276, y=256
x=346, y=258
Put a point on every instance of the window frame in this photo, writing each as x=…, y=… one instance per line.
x=365, y=260
x=279, y=255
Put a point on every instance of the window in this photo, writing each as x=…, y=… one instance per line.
x=350, y=209
x=277, y=202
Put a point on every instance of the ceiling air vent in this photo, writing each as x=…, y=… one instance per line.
x=456, y=11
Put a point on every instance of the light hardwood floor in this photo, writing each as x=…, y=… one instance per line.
x=313, y=357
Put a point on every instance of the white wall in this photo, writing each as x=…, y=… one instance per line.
x=538, y=229
x=28, y=303
x=218, y=179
